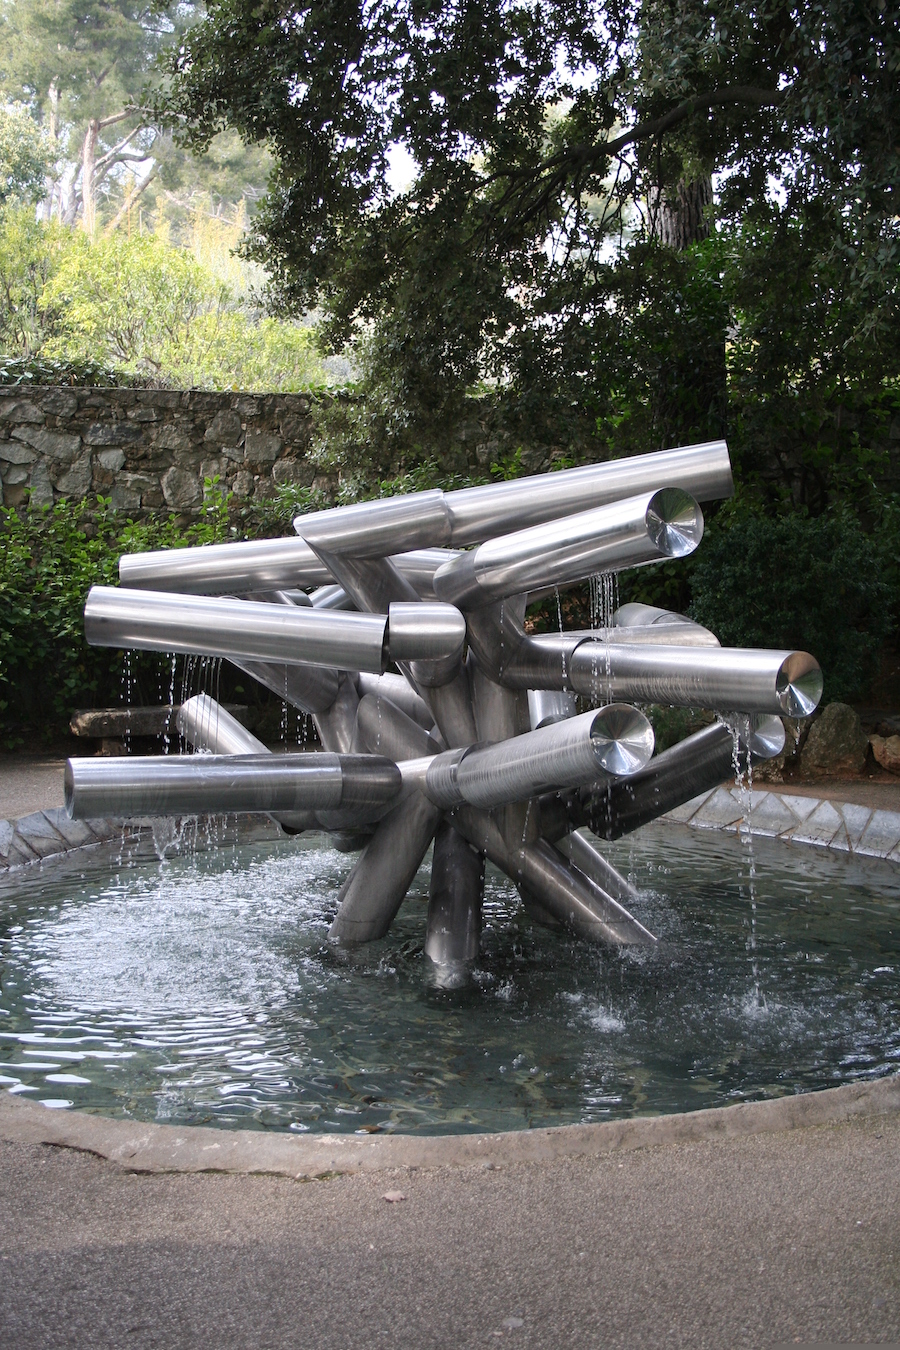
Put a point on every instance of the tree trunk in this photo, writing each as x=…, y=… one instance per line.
x=681, y=217
x=88, y=163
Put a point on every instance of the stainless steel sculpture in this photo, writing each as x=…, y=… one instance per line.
x=441, y=718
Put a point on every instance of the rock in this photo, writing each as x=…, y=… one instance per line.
x=41, y=487
x=293, y=471
x=75, y=481
x=181, y=489
x=888, y=726
x=886, y=750
x=836, y=745
x=110, y=460
x=50, y=444
x=225, y=428
x=260, y=447
x=20, y=412
x=112, y=433
x=243, y=484
x=15, y=453
x=393, y=1197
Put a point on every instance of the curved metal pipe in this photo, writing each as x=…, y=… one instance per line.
x=664, y=524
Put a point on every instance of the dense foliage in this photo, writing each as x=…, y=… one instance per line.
x=140, y=307
x=558, y=235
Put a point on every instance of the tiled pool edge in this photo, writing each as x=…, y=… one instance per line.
x=140, y=1147
x=50, y=835
x=844, y=826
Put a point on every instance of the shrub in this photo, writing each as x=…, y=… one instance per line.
x=791, y=580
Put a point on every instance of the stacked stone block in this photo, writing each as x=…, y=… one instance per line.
x=150, y=449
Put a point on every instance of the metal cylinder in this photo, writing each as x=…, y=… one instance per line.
x=696, y=765
x=312, y=689
x=485, y=512
x=376, y=529
x=375, y=889
x=636, y=619
x=215, y=626
x=616, y=740
x=664, y=524
x=549, y=705
x=427, y=632
x=401, y=693
x=725, y=679
x=453, y=926
x=386, y=730
x=600, y=870
x=220, y=784
x=206, y=725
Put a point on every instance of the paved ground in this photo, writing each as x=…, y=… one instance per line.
x=29, y=783
x=769, y=1240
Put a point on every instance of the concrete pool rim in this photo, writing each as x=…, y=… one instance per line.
x=145, y=1147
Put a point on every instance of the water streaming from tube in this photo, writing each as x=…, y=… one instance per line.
x=743, y=777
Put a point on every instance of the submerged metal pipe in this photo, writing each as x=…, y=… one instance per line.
x=616, y=740
x=453, y=926
x=696, y=765
x=375, y=889
x=663, y=524
x=600, y=870
x=726, y=679
x=221, y=784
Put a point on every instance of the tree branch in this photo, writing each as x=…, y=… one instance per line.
x=549, y=177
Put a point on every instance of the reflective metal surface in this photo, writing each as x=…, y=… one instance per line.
x=617, y=740
x=206, y=725
x=220, y=569
x=378, y=528
x=214, y=626
x=386, y=730
x=374, y=890
x=401, y=693
x=548, y=705
x=723, y=678
x=593, y=864
x=698, y=764
x=484, y=512
x=312, y=689
x=453, y=926
x=663, y=524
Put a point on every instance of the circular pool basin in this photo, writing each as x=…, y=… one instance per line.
x=201, y=990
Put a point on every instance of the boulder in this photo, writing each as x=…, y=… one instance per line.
x=181, y=489
x=836, y=745
x=886, y=750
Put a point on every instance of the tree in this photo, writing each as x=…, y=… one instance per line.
x=552, y=238
x=25, y=157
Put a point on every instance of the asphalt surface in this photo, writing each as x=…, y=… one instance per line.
x=778, y=1239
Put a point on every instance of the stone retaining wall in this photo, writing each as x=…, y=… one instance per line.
x=150, y=449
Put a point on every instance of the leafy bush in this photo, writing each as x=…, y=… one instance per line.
x=817, y=584
x=49, y=559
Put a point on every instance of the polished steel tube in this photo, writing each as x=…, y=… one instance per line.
x=667, y=523
x=482, y=513
x=617, y=740
x=696, y=765
x=215, y=626
x=426, y=631
x=375, y=889
x=549, y=705
x=663, y=625
x=588, y=860
x=376, y=529
x=252, y=565
x=206, y=725
x=312, y=689
x=453, y=926
x=561, y=891
x=401, y=693
x=726, y=679
x=386, y=730
x=221, y=784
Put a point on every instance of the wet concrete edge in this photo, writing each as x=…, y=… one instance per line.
x=140, y=1147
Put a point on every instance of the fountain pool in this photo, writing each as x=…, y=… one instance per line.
x=201, y=990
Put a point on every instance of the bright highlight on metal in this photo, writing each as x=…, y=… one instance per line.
x=399, y=626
